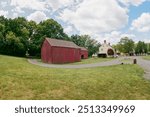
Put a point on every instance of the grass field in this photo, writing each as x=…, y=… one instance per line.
x=147, y=57
x=21, y=80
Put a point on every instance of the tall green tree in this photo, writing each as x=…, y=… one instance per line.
x=1, y=42
x=148, y=47
x=126, y=45
x=19, y=35
x=2, y=35
x=86, y=41
x=141, y=48
x=13, y=45
x=31, y=26
x=79, y=40
x=2, y=30
x=92, y=45
x=19, y=26
x=49, y=28
x=32, y=48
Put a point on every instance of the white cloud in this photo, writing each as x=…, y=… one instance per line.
x=96, y=16
x=29, y=4
x=3, y=4
x=131, y=36
x=114, y=37
x=44, y=5
x=15, y=15
x=142, y=24
x=4, y=13
x=56, y=4
x=37, y=16
x=18, y=10
x=69, y=30
x=132, y=2
x=146, y=40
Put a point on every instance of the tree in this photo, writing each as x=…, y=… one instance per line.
x=86, y=41
x=16, y=25
x=79, y=40
x=2, y=19
x=126, y=45
x=49, y=28
x=5, y=22
x=19, y=26
x=27, y=34
x=31, y=26
x=13, y=45
x=145, y=47
x=141, y=48
x=2, y=28
x=1, y=42
x=148, y=47
x=92, y=45
x=31, y=48
x=19, y=35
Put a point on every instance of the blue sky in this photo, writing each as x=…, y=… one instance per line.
x=101, y=19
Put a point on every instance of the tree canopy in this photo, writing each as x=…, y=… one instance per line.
x=125, y=45
x=17, y=36
x=86, y=41
x=141, y=48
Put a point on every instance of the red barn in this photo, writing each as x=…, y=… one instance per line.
x=60, y=51
x=84, y=53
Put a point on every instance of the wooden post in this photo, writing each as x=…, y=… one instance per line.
x=134, y=61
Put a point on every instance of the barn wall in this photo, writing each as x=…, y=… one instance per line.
x=65, y=55
x=46, y=54
x=84, y=53
x=59, y=55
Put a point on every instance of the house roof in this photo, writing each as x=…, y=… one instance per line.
x=61, y=43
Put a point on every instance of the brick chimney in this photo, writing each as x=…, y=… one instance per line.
x=105, y=41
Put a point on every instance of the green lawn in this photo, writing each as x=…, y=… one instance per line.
x=147, y=57
x=21, y=80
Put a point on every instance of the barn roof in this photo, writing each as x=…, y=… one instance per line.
x=82, y=48
x=61, y=43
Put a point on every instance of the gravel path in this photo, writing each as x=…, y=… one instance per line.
x=145, y=64
x=107, y=63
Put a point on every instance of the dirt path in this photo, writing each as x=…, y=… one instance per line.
x=106, y=63
x=145, y=64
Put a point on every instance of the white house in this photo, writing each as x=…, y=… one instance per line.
x=106, y=50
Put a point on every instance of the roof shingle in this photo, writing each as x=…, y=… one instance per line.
x=61, y=43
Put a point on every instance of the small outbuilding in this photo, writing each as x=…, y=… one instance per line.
x=106, y=50
x=59, y=51
x=84, y=53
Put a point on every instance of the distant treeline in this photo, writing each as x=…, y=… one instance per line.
x=128, y=46
x=19, y=36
